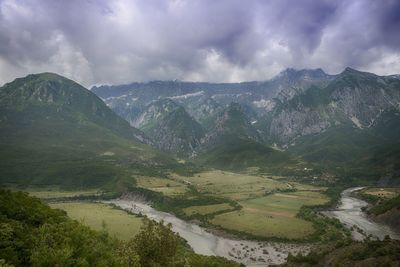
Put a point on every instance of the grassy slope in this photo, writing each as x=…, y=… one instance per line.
x=351, y=152
x=54, y=131
x=386, y=206
x=239, y=154
x=117, y=223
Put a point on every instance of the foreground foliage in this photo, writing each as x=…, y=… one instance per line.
x=33, y=234
x=350, y=253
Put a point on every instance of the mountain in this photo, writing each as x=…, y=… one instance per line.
x=53, y=131
x=234, y=144
x=201, y=107
x=351, y=122
x=171, y=127
x=230, y=123
x=128, y=100
x=352, y=98
x=343, y=120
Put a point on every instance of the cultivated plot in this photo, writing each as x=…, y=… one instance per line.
x=97, y=215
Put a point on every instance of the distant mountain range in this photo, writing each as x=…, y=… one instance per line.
x=342, y=120
x=54, y=131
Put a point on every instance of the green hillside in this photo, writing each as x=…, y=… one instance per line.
x=351, y=152
x=55, y=132
x=238, y=154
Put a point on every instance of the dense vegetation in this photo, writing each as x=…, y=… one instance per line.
x=385, y=206
x=33, y=234
x=327, y=229
x=350, y=253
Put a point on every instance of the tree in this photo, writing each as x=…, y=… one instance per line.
x=156, y=244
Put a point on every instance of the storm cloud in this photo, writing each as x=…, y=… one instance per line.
x=113, y=42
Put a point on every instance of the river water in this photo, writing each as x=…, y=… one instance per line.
x=350, y=213
x=250, y=253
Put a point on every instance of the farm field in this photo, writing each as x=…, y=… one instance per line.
x=207, y=209
x=166, y=186
x=269, y=205
x=232, y=185
x=118, y=223
x=382, y=192
x=273, y=215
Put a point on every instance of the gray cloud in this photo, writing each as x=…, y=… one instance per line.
x=120, y=41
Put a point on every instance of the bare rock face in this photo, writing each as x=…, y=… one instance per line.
x=353, y=97
x=170, y=126
x=231, y=122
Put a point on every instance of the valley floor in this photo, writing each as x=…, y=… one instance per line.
x=253, y=205
x=272, y=209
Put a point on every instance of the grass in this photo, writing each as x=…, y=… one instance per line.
x=273, y=215
x=49, y=192
x=268, y=207
x=232, y=185
x=166, y=186
x=269, y=204
x=207, y=209
x=264, y=226
x=46, y=194
x=118, y=223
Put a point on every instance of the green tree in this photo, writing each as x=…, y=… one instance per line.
x=156, y=244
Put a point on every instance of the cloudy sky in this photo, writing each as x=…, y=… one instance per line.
x=120, y=41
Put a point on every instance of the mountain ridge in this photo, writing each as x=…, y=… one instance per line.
x=53, y=131
x=291, y=108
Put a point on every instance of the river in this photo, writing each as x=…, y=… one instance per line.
x=350, y=213
x=250, y=253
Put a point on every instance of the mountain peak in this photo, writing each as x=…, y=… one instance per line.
x=291, y=73
x=44, y=77
x=351, y=71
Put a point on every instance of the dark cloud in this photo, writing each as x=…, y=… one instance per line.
x=225, y=40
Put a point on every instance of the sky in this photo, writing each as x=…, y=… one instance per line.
x=114, y=42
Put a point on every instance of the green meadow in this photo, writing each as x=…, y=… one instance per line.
x=273, y=215
x=98, y=216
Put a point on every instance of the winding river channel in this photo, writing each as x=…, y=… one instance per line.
x=253, y=253
x=350, y=213
x=250, y=253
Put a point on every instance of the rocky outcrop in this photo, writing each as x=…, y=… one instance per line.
x=171, y=127
x=353, y=97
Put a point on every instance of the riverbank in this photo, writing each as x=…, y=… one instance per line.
x=350, y=213
x=250, y=253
